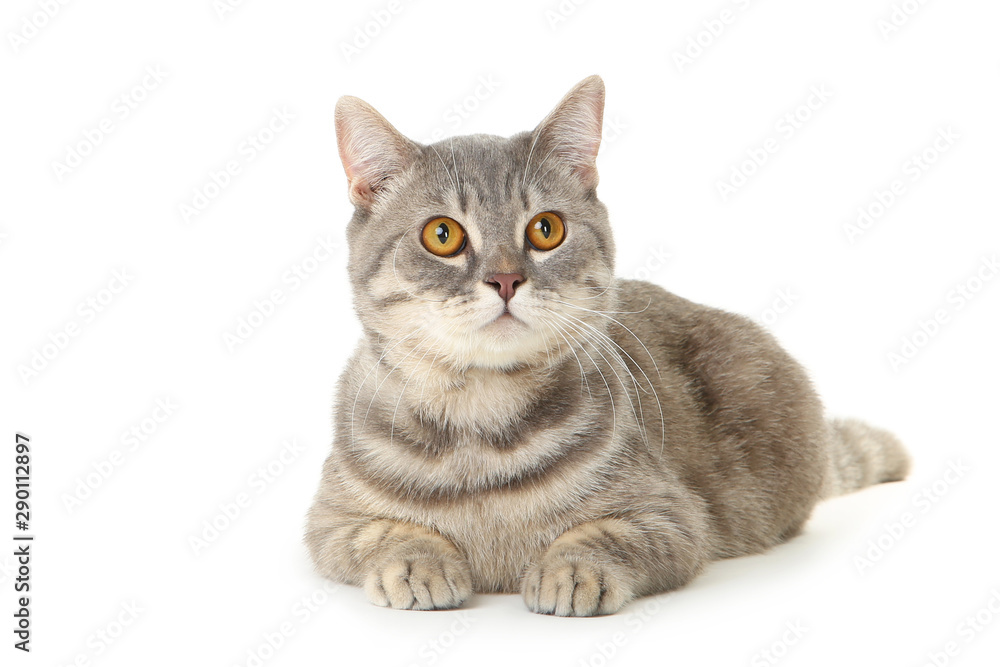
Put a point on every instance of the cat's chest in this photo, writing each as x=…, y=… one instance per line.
x=500, y=537
x=500, y=529
x=481, y=401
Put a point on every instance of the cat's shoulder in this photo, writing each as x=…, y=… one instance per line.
x=648, y=306
x=643, y=298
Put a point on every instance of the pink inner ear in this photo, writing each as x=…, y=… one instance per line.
x=575, y=128
x=359, y=191
x=361, y=177
x=593, y=123
x=371, y=149
x=587, y=174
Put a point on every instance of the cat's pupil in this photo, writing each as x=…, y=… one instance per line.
x=544, y=226
x=442, y=234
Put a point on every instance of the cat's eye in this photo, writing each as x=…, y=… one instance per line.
x=545, y=231
x=443, y=237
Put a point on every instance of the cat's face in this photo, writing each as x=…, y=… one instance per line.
x=479, y=251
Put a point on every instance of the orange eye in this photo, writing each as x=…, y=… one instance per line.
x=545, y=231
x=443, y=237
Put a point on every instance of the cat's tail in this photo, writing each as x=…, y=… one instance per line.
x=862, y=455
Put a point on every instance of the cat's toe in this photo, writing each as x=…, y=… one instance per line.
x=571, y=587
x=420, y=582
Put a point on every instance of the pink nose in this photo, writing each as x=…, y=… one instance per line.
x=506, y=283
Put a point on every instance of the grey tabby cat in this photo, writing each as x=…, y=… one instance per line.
x=517, y=419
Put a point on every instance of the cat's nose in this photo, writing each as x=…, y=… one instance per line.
x=505, y=283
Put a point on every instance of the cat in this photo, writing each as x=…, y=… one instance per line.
x=516, y=419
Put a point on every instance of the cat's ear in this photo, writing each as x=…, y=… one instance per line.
x=372, y=150
x=572, y=131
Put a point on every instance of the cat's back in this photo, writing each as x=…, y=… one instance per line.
x=716, y=358
x=741, y=422
x=667, y=325
x=676, y=330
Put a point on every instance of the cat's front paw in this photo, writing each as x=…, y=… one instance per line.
x=420, y=581
x=571, y=585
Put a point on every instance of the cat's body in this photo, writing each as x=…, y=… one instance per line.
x=517, y=420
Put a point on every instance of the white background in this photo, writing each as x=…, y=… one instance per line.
x=674, y=131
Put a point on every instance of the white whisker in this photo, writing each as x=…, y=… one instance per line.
x=528, y=161
x=386, y=378
x=555, y=327
x=402, y=391
x=454, y=184
x=602, y=314
x=614, y=414
x=652, y=387
x=361, y=386
x=598, y=344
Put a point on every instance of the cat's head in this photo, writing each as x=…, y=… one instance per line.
x=479, y=250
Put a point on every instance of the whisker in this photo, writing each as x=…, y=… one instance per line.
x=598, y=344
x=614, y=414
x=453, y=183
x=416, y=367
x=555, y=327
x=548, y=353
x=528, y=161
x=562, y=330
x=455, y=165
x=604, y=315
x=420, y=398
x=611, y=283
x=656, y=396
x=402, y=391
x=361, y=386
x=540, y=164
x=386, y=378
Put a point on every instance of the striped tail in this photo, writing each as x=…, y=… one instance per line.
x=862, y=455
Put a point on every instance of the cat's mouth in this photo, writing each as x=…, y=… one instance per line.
x=506, y=318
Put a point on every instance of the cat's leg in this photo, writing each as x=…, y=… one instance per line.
x=401, y=565
x=597, y=567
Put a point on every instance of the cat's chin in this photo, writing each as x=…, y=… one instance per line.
x=507, y=322
x=507, y=331
x=505, y=342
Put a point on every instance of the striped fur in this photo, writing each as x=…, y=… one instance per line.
x=605, y=443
